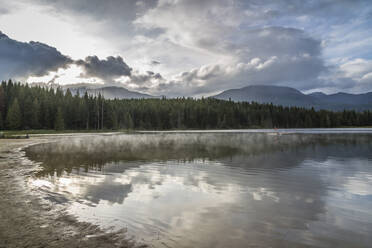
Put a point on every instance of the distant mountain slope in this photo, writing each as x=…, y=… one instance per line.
x=109, y=92
x=346, y=98
x=268, y=94
x=287, y=96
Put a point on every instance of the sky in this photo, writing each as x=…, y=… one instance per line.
x=189, y=47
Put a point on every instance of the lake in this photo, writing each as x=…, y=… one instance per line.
x=260, y=188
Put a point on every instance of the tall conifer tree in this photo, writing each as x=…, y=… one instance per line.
x=14, y=117
x=59, y=121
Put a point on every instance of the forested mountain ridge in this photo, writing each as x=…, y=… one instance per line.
x=25, y=107
x=287, y=96
x=108, y=92
x=277, y=95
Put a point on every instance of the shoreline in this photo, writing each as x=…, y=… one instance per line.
x=48, y=132
x=28, y=219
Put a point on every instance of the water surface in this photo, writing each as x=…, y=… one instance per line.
x=218, y=189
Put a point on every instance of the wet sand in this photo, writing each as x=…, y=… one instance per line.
x=27, y=219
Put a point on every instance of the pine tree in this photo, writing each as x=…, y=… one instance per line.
x=28, y=111
x=128, y=121
x=14, y=118
x=59, y=122
x=22, y=106
x=2, y=99
x=35, y=124
x=113, y=120
x=1, y=121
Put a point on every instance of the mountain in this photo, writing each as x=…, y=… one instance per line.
x=268, y=94
x=109, y=92
x=317, y=94
x=287, y=96
x=113, y=92
x=346, y=98
x=3, y=36
x=278, y=95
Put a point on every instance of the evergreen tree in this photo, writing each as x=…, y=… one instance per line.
x=128, y=121
x=113, y=121
x=2, y=98
x=22, y=106
x=59, y=121
x=1, y=121
x=35, y=124
x=14, y=118
x=28, y=112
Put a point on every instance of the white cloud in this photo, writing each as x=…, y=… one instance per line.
x=64, y=76
x=279, y=56
x=210, y=45
x=356, y=68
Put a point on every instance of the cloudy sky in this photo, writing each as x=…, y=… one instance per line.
x=189, y=47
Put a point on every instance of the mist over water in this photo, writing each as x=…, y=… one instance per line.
x=217, y=189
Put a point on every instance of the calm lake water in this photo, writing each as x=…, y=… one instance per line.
x=217, y=189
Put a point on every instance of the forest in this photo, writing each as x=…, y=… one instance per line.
x=23, y=107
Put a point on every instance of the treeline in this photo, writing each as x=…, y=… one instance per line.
x=25, y=107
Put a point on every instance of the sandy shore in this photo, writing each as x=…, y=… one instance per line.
x=28, y=220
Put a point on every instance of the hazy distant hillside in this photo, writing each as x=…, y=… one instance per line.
x=344, y=98
x=268, y=94
x=109, y=92
x=278, y=95
x=287, y=96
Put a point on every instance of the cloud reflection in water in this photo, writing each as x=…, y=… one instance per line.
x=218, y=190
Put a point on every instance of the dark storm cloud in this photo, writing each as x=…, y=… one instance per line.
x=154, y=75
x=107, y=69
x=142, y=79
x=21, y=59
x=112, y=68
